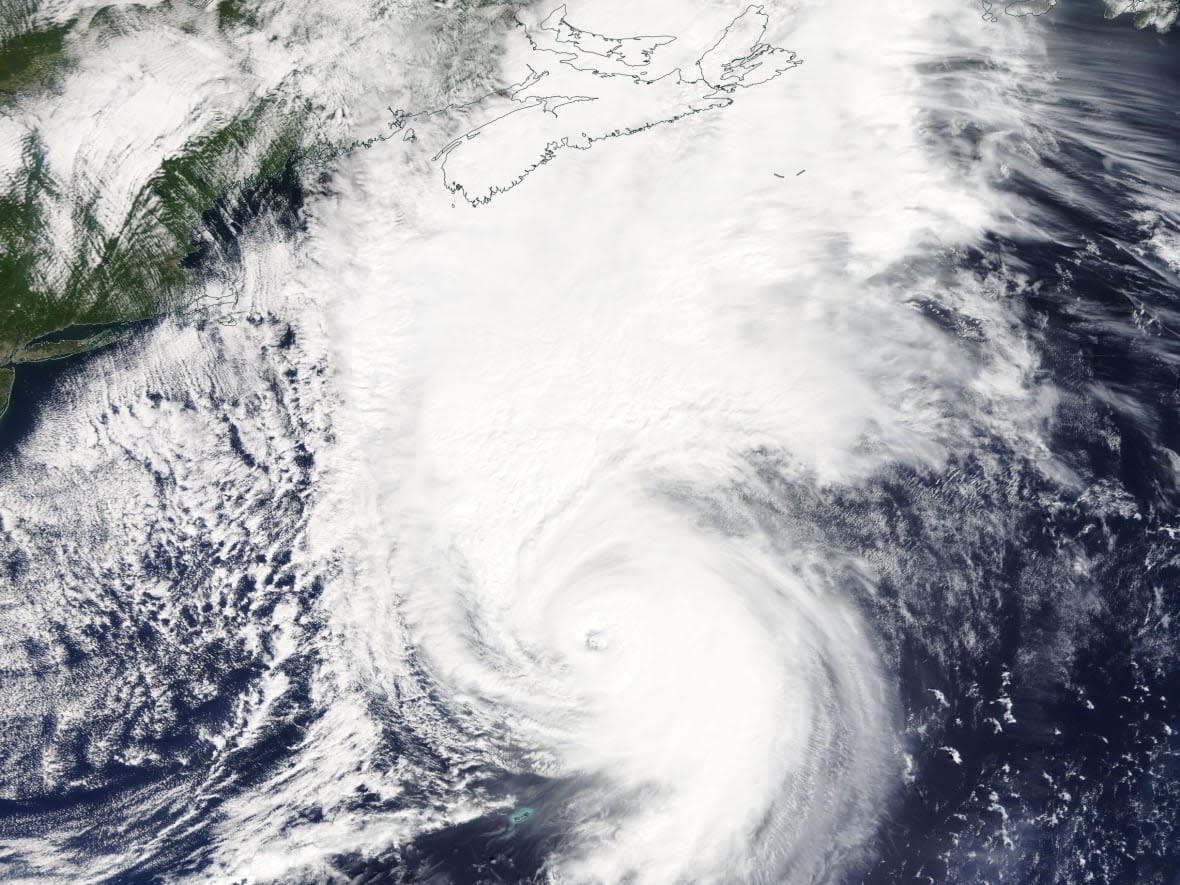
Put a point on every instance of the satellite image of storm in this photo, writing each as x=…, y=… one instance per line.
x=601, y=442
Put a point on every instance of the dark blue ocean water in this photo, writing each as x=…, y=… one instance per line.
x=1094, y=692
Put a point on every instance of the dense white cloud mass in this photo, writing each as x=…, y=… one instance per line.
x=539, y=473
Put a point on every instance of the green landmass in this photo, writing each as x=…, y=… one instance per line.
x=7, y=379
x=61, y=295
x=137, y=271
x=29, y=58
x=43, y=351
x=61, y=299
x=235, y=13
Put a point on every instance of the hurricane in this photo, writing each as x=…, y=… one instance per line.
x=650, y=443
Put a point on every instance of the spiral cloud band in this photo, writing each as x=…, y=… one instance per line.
x=725, y=716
